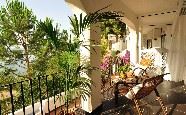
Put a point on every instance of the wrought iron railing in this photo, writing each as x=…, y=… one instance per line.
x=43, y=95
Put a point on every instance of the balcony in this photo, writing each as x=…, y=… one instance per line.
x=43, y=100
x=41, y=95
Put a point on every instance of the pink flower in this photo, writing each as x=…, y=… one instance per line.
x=126, y=57
x=105, y=63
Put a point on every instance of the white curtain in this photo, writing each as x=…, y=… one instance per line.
x=177, y=51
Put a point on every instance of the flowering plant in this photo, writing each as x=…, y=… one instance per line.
x=146, y=62
x=106, y=63
x=125, y=68
x=125, y=58
x=108, y=60
x=147, y=59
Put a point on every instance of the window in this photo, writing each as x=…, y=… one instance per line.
x=149, y=43
x=163, y=41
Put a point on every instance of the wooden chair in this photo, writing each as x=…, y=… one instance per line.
x=138, y=91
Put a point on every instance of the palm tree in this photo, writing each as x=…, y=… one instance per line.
x=73, y=84
x=68, y=61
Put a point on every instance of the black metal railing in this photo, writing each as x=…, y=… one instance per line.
x=33, y=95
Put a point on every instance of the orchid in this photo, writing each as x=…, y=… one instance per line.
x=126, y=57
x=108, y=60
x=105, y=64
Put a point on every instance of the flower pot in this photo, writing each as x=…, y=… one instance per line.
x=129, y=74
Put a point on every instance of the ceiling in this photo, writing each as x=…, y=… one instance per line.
x=141, y=7
x=153, y=13
x=157, y=21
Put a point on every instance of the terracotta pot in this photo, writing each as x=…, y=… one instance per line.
x=129, y=74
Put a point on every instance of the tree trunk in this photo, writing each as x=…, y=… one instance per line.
x=26, y=53
x=27, y=62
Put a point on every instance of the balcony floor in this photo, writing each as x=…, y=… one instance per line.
x=173, y=94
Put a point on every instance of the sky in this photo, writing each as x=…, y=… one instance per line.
x=58, y=10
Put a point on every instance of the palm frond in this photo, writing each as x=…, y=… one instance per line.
x=51, y=31
x=81, y=24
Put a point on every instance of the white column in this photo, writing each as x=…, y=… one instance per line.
x=133, y=46
x=95, y=61
x=92, y=55
x=140, y=42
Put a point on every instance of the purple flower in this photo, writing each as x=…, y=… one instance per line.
x=105, y=63
x=126, y=57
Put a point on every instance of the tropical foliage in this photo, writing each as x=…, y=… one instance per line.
x=113, y=26
x=41, y=48
x=84, y=22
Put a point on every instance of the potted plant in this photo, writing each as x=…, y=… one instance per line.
x=125, y=71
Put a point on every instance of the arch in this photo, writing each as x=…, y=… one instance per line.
x=130, y=18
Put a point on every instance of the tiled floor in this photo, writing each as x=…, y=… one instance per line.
x=172, y=93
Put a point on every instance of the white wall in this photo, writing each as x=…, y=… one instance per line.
x=156, y=43
x=155, y=36
x=60, y=100
x=120, y=45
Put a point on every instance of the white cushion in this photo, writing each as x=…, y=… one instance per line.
x=138, y=70
x=135, y=89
